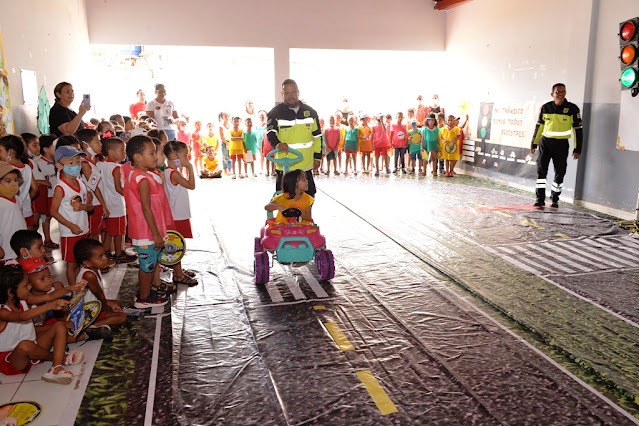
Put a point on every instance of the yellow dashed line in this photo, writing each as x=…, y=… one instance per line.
x=562, y=235
x=502, y=213
x=476, y=204
x=338, y=336
x=375, y=390
x=319, y=307
x=529, y=223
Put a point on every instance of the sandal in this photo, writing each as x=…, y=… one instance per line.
x=166, y=287
x=50, y=244
x=184, y=279
x=74, y=358
x=189, y=273
x=62, y=377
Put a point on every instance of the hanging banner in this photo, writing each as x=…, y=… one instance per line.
x=6, y=117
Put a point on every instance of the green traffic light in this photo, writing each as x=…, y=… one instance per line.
x=628, y=77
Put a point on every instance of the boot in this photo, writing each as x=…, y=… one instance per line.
x=541, y=197
x=555, y=199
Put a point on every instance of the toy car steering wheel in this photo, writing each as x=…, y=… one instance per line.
x=285, y=162
x=292, y=212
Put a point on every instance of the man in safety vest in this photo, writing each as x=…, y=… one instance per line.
x=296, y=125
x=557, y=120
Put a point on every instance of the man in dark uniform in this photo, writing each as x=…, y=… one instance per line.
x=296, y=125
x=557, y=119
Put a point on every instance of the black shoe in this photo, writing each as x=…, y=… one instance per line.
x=97, y=333
x=539, y=204
x=554, y=205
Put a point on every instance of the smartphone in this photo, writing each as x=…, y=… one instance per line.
x=86, y=100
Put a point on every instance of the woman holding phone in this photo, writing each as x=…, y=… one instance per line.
x=62, y=119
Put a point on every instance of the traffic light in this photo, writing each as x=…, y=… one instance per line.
x=628, y=55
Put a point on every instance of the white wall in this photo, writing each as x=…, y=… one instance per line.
x=516, y=50
x=329, y=24
x=49, y=38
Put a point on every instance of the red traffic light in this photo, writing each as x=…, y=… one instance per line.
x=627, y=31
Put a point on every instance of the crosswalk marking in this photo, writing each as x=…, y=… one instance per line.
x=294, y=286
x=315, y=285
x=570, y=256
x=274, y=293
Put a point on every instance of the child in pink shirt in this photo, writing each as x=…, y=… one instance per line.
x=399, y=140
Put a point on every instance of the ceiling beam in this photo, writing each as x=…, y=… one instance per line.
x=449, y=4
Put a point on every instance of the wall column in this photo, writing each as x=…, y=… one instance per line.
x=282, y=69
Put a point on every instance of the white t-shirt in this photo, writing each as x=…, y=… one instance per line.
x=23, y=196
x=35, y=168
x=178, y=196
x=81, y=217
x=12, y=221
x=89, y=296
x=113, y=200
x=161, y=113
x=96, y=178
x=16, y=332
x=49, y=171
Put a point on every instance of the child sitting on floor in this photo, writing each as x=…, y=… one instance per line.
x=211, y=168
x=21, y=344
x=294, y=187
x=91, y=257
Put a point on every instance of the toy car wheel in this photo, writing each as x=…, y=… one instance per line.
x=258, y=245
x=325, y=264
x=261, y=268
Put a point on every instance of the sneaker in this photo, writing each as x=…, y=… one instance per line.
x=336, y=173
x=539, y=204
x=555, y=205
x=396, y=171
x=109, y=255
x=102, y=332
x=152, y=300
x=377, y=173
x=388, y=171
x=125, y=258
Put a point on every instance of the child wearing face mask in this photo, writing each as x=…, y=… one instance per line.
x=70, y=205
x=12, y=219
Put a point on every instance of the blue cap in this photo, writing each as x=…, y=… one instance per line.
x=67, y=151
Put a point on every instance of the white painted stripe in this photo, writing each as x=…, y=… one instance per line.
x=544, y=256
x=566, y=257
x=294, y=286
x=618, y=249
x=585, y=250
x=615, y=258
x=312, y=282
x=579, y=255
x=532, y=261
x=274, y=293
x=584, y=254
x=297, y=302
x=150, y=395
x=540, y=353
x=505, y=249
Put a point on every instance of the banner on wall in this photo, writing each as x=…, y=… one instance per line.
x=500, y=138
x=6, y=116
x=628, y=137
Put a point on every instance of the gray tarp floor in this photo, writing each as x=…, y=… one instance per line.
x=453, y=302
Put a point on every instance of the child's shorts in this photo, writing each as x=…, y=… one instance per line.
x=350, y=151
x=237, y=156
x=39, y=203
x=7, y=368
x=184, y=228
x=116, y=226
x=147, y=256
x=381, y=152
x=96, y=221
x=67, y=244
x=330, y=155
x=30, y=221
x=415, y=156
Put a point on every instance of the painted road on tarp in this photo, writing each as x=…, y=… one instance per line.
x=383, y=342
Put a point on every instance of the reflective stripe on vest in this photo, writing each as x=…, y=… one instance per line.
x=551, y=134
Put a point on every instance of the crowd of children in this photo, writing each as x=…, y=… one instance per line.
x=103, y=186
